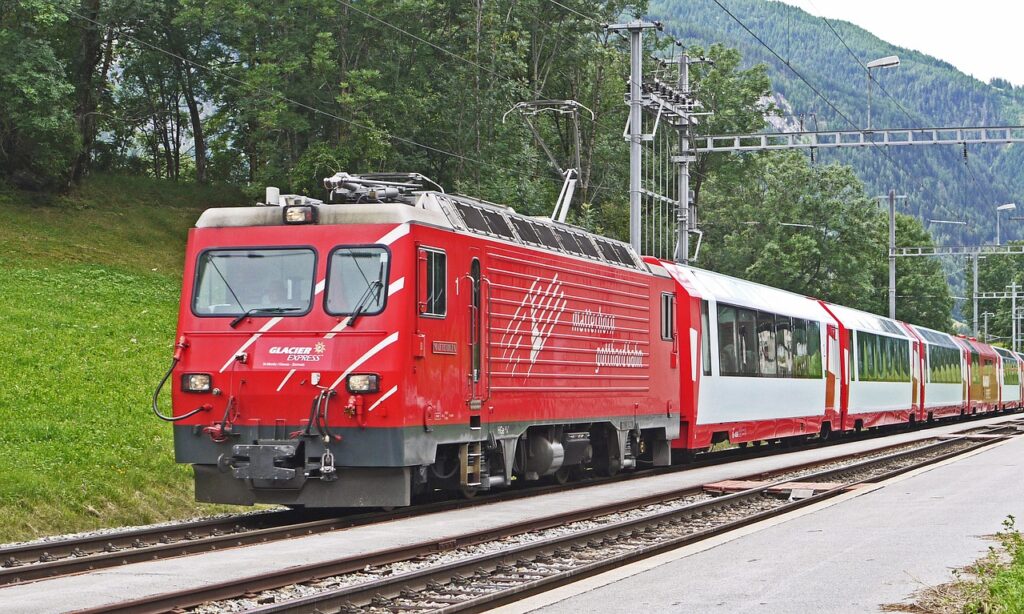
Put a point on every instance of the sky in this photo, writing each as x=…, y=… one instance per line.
x=981, y=38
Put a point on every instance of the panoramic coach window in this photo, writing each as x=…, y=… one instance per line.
x=433, y=292
x=761, y=344
x=1011, y=375
x=357, y=281
x=882, y=359
x=944, y=365
x=232, y=282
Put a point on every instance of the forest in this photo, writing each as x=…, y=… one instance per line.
x=256, y=92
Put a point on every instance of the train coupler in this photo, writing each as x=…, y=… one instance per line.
x=268, y=461
x=327, y=471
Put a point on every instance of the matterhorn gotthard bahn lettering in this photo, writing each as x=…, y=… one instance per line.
x=541, y=310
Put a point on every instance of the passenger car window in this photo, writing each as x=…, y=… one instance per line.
x=727, y=351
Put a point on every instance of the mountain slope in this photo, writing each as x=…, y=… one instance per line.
x=922, y=92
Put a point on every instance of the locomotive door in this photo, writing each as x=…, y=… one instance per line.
x=477, y=372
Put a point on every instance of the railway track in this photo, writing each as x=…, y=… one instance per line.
x=476, y=571
x=40, y=560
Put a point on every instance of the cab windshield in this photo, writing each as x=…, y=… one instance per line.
x=232, y=282
x=357, y=280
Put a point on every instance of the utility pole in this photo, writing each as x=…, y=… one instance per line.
x=683, y=208
x=974, y=311
x=892, y=254
x=986, y=316
x=892, y=250
x=636, y=67
x=1013, y=314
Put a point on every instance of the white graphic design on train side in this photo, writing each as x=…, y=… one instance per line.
x=541, y=309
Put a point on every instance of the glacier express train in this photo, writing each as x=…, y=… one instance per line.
x=400, y=340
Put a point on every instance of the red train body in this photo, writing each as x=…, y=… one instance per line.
x=356, y=354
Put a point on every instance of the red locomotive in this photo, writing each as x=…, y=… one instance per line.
x=406, y=340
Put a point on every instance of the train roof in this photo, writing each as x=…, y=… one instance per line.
x=868, y=322
x=934, y=337
x=749, y=294
x=454, y=212
x=1005, y=353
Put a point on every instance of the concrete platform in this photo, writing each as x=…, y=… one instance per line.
x=116, y=585
x=855, y=553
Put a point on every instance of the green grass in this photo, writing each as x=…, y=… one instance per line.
x=89, y=286
x=1001, y=576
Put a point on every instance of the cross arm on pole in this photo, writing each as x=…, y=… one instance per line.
x=858, y=138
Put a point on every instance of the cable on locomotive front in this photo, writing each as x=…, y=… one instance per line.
x=180, y=345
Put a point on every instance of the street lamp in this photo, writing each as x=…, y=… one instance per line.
x=890, y=61
x=951, y=223
x=1006, y=207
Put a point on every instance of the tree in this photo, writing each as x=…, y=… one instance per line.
x=776, y=219
x=37, y=131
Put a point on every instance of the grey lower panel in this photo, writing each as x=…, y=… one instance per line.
x=355, y=487
x=386, y=447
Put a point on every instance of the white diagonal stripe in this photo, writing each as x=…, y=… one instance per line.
x=337, y=329
x=269, y=324
x=396, y=285
x=393, y=235
x=387, y=394
x=393, y=337
x=285, y=380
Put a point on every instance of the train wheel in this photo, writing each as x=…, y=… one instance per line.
x=826, y=431
x=468, y=492
x=563, y=475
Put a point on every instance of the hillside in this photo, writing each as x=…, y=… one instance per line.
x=925, y=92
x=88, y=304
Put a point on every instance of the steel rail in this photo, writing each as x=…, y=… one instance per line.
x=35, y=561
x=463, y=572
x=344, y=565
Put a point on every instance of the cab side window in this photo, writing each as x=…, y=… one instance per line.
x=433, y=285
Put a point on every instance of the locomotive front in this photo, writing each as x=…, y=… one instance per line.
x=285, y=377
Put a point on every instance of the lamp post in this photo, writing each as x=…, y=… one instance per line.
x=890, y=61
x=1006, y=207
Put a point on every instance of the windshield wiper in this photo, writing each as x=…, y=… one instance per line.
x=263, y=310
x=365, y=301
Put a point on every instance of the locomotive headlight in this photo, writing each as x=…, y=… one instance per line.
x=299, y=214
x=196, y=382
x=363, y=382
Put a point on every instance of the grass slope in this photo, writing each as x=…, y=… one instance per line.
x=89, y=286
